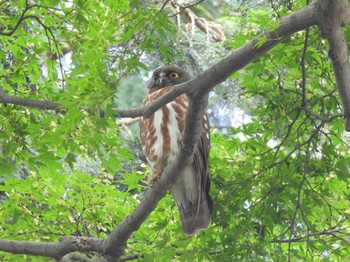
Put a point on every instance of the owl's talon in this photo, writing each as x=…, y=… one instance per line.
x=154, y=179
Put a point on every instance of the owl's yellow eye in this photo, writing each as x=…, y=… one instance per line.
x=174, y=75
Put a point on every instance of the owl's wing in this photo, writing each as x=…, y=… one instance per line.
x=191, y=190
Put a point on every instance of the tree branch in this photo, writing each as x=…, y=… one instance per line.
x=20, y=20
x=332, y=17
x=208, y=28
x=40, y=104
x=327, y=232
x=55, y=250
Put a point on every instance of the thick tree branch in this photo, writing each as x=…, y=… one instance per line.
x=55, y=250
x=332, y=17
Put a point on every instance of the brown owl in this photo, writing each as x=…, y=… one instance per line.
x=161, y=139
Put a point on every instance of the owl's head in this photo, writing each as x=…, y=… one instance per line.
x=167, y=76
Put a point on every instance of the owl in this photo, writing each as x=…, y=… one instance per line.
x=161, y=139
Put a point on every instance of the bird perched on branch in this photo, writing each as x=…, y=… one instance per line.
x=161, y=140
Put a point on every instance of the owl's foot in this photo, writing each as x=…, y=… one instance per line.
x=154, y=178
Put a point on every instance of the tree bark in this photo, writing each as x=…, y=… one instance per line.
x=332, y=17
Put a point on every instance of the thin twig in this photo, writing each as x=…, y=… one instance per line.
x=183, y=8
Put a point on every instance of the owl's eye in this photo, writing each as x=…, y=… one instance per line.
x=174, y=75
x=155, y=78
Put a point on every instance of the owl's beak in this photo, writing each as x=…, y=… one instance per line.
x=161, y=81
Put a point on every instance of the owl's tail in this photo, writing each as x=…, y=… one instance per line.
x=193, y=202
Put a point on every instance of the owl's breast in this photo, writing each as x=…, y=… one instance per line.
x=161, y=133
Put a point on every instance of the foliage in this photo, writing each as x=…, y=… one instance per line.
x=280, y=180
